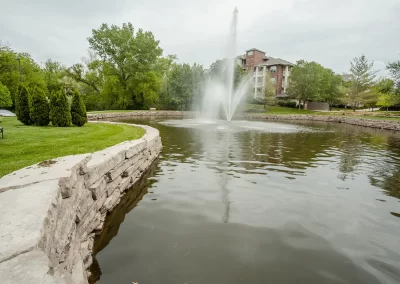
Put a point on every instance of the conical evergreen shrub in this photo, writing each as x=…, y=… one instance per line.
x=78, y=110
x=59, y=110
x=39, y=108
x=22, y=106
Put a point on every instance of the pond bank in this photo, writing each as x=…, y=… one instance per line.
x=50, y=212
x=381, y=124
x=352, y=119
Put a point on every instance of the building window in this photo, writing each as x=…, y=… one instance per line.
x=260, y=69
x=273, y=80
x=259, y=79
x=272, y=69
x=249, y=53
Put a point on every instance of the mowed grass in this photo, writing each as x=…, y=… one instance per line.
x=285, y=110
x=27, y=145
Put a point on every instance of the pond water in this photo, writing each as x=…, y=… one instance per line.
x=259, y=202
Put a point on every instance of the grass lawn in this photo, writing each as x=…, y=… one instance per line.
x=26, y=145
x=274, y=109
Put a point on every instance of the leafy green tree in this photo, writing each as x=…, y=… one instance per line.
x=5, y=97
x=182, y=86
x=269, y=90
x=22, y=106
x=363, y=78
x=78, y=110
x=52, y=72
x=39, y=108
x=394, y=68
x=331, y=90
x=60, y=114
x=387, y=100
x=387, y=96
x=305, y=81
x=129, y=63
x=31, y=74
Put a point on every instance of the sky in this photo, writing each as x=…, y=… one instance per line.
x=330, y=32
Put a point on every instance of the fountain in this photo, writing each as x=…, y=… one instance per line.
x=220, y=89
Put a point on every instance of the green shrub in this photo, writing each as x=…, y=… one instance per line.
x=59, y=110
x=39, y=108
x=285, y=103
x=22, y=106
x=78, y=110
x=5, y=97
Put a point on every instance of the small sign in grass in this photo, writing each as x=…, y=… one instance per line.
x=27, y=145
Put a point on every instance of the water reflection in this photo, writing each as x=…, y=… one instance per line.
x=320, y=201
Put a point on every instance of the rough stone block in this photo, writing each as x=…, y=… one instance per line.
x=112, y=186
x=98, y=188
x=129, y=171
x=125, y=184
x=111, y=202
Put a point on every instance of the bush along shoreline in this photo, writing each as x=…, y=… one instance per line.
x=32, y=107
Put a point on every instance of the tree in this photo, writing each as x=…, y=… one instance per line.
x=39, y=108
x=129, y=62
x=305, y=81
x=52, y=72
x=362, y=79
x=394, y=68
x=182, y=86
x=269, y=90
x=387, y=100
x=5, y=97
x=78, y=110
x=331, y=88
x=60, y=114
x=31, y=74
x=385, y=90
x=22, y=106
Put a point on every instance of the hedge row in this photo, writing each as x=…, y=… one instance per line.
x=35, y=108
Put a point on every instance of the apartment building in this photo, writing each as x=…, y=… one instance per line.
x=259, y=64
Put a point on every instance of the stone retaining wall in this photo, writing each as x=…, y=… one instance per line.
x=50, y=212
x=99, y=116
x=381, y=124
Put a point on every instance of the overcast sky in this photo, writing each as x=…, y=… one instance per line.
x=330, y=32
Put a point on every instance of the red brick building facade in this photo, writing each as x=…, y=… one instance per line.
x=256, y=62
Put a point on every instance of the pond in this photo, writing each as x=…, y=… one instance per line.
x=259, y=202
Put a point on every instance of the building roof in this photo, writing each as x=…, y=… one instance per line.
x=270, y=61
x=241, y=57
x=255, y=49
x=347, y=77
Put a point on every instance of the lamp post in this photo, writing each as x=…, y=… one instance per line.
x=19, y=66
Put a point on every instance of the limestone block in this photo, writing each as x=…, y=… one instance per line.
x=119, y=169
x=99, y=202
x=125, y=184
x=87, y=220
x=134, y=150
x=65, y=187
x=113, y=185
x=111, y=202
x=22, y=212
x=129, y=171
x=84, y=206
x=98, y=188
x=104, y=161
x=33, y=268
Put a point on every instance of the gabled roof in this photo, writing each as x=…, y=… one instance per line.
x=347, y=77
x=255, y=49
x=270, y=61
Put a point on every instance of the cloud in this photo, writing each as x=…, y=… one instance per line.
x=331, y=32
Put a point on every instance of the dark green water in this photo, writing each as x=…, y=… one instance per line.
x=259, y=202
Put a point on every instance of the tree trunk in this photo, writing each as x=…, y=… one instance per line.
x=299, y=104
x=387, y=108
